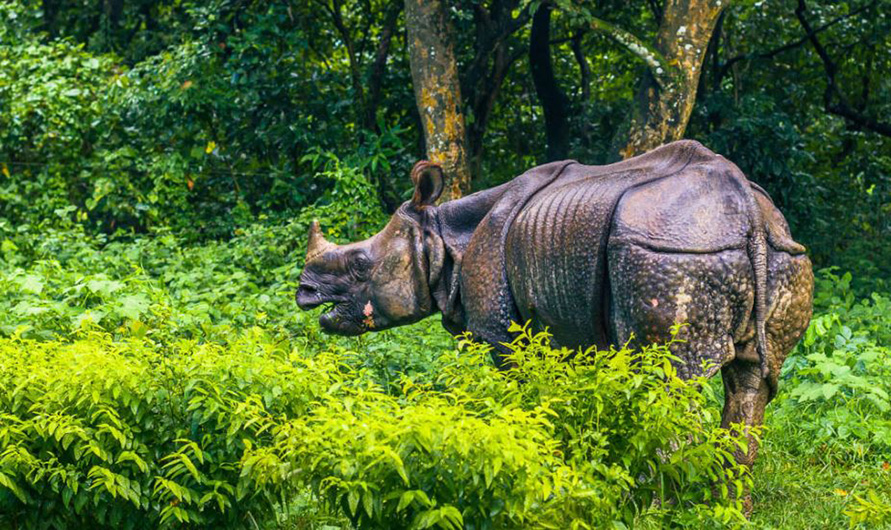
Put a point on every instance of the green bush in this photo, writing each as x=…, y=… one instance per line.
x=621, y=436
x=52, y=96
x=127, y=435
x=837, y=391
x=139, y=433
x=217, y=311
x=54, y=279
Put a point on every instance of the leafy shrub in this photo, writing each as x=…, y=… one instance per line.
x=128, y=435
x=838, y=393
x=54, y=279
x=869, y=510
x=141, y=433
x=486, y=449
x=637, y=432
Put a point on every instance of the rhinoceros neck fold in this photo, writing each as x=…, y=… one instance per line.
x=450, y=228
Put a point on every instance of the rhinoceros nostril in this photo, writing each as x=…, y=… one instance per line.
x=309, y=296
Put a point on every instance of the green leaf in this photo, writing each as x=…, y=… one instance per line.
x=133, y=306
x=353, y=500
x=368, y=503
x=829, y=390
x=32, y=283
x=405, y=500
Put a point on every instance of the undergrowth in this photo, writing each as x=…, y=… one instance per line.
x=146, y=382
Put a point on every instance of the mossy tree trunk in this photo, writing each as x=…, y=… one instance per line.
x=434, y=73
x=665, y=98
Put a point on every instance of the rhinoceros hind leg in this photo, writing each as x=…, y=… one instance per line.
x=712, y=294
x=746, y=394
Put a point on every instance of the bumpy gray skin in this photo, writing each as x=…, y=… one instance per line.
x=599, y=255
x=607, y=255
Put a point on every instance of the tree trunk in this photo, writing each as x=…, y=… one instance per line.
x=377, y=68
x=50, y=16
x=434, y=73
x=665, y=98
x=553, y=101
x=495, y=22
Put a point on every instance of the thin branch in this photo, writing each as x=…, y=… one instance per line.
x=378, y=66
x=653, y=59
x=788, y=46
x=335, y=10
x=366, y=30
x=656, y=8
x=842, y=108
x=584, y=67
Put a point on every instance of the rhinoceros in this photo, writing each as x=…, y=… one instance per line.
x=598, y=255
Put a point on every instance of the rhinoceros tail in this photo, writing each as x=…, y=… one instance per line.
x=757, y=250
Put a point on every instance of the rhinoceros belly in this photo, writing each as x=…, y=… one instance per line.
x=555, y=259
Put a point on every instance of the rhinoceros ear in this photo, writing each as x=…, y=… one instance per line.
x=428, y=180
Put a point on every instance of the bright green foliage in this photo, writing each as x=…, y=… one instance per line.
x=128, y=435
x=838, y=381
x=147, y=383
x=220, y=344
x=870, y=510
x=487, y=451
x=138, y=433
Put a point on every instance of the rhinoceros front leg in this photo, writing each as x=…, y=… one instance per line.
x=746, y=394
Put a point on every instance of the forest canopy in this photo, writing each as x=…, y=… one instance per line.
x=206, y=115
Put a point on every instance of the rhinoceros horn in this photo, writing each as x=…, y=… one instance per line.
x=317, y=244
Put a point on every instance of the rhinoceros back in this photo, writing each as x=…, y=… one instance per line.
x=556, y=247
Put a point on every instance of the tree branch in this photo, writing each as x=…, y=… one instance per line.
x=656, y=8
x=842, y=108
x=378, y=66
x=355, y=73
x=788, y=46
x=653, y=59
x=584, y=67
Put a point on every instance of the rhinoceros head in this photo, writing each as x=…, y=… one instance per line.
x=383, y=281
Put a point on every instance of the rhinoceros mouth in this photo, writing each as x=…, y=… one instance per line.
x=336, y=319
x=335, y=316
x=309, y=297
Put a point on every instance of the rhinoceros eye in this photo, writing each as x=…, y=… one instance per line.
x=360, y=264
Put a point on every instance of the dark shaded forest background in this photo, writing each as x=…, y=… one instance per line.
x=204, y=116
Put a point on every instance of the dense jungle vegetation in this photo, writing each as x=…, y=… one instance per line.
x=160, y=163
